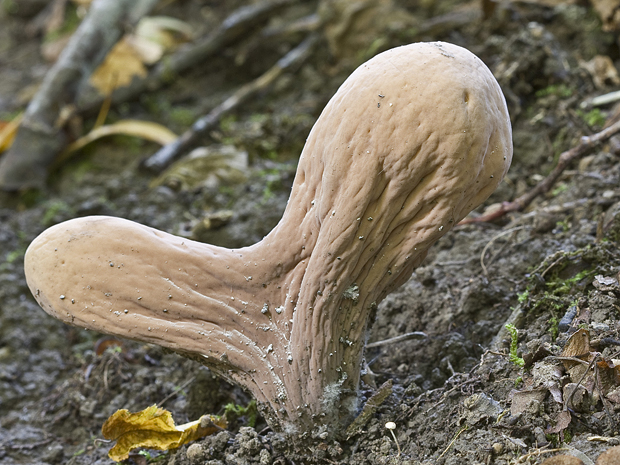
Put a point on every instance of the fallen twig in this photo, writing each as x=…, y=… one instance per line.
x=63, y=93
x=456, y=436
x=537, y=452
x=493, y=239
x=586, y=143
x=176, y=391
x=600, y=100
x=401, y=338
x=170, y=152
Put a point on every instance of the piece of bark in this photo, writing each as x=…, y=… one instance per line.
x=41, y=136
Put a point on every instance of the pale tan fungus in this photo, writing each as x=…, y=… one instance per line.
x=412, y=141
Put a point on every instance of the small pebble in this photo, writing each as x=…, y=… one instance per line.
x=195, y=452
x=498, y=448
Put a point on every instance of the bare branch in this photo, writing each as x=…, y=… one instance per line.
x=40, y=136
x=168, y=153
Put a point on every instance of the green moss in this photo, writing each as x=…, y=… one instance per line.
x=182, y=116
x=71, y=23
x=54, y=208
x=564, y=225
x=593, y=118
x=227, y=123
x=30, y=197
x=235, y=411
x=14, y=255
x=558, y=90
x=557, y=190
x=10, y=6
x=564, y=286
x=553, y=439
x=514, y=339
x=553, y=329
x=522, y=297
x=258, y=117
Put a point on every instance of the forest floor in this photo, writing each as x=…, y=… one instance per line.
x=459, y=396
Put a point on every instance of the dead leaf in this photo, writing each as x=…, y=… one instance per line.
x=605, y=283
x=521, y=400
x=206, y=167
x=153, y=428
x=577, y=397
x=143, y=129
x=609, y=372
x=561, y=423
x=554, y=389
x=164, y=31
x=578, y=345
x=120, y=66
x=8, y=131
x=153, y=37
x=370, y=408
x=106, y=342
x=602, y=70
x=614, y=396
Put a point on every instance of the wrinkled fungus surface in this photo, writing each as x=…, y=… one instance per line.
x=411, y=142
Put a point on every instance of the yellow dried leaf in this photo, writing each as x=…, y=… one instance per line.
x=118, y=69
x=152, y=428
x=143, y=129
x=153, y=37
x=8, y=131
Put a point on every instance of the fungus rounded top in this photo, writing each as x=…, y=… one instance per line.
x=412, y=111
x=415, y=138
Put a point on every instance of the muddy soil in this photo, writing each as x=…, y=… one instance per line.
x=458, y=396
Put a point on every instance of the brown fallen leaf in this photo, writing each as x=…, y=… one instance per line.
x=578, y=348
x=562, y=420
x=602, y=70
x=521, y=400
x=153, y=428
x=578, y=345
x=120, y=66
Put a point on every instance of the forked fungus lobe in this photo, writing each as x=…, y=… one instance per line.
x=411, y=142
